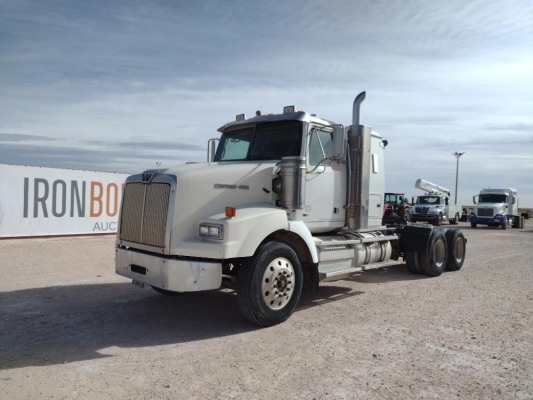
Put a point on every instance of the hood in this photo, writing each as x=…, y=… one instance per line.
x=205, y=189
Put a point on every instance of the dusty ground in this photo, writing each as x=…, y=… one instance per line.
x=70, y=328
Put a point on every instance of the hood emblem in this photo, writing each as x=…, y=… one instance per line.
x=148, y=176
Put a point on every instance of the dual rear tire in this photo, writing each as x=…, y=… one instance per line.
x=446, y=250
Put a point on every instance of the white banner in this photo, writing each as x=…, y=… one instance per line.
x=36, y=201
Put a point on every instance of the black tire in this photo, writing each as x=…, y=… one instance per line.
x=438, y=221
x=165, y=292
x=270, y=284
x=521, y=222
x=412, y=262
x=504, y=225
x=456, y=243
x=473, y=224
x=455, y=219
x=516, y=222
x=433, y=261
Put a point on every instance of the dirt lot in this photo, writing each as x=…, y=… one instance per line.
x=71, y=328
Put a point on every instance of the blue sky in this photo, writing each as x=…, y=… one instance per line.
x=121, y=86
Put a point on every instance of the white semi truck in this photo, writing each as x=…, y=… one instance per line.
x=496, y=207
x=434, y=206
x=284, y=202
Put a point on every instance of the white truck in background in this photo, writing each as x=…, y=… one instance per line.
x=434, y=206
x=284, y=202
x=496, y=207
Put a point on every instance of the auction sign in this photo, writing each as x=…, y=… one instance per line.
x=37, y=201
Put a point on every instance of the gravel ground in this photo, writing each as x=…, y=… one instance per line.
x=71, y=328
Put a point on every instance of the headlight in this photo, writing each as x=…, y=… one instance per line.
x=211, y=231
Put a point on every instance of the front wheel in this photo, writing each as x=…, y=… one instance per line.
x=270, y=284
x=438, y=221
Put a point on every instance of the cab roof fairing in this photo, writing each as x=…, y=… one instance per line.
x=295, y=116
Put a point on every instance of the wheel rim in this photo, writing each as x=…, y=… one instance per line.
x=459, y=250
x=440, y=253
x=278, y=283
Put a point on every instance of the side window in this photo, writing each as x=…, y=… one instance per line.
x=320, y=147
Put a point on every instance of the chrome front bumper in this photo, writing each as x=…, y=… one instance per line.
x=168, y=274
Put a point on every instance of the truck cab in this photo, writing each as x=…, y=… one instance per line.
x=496, y=207
x=310, y=144
x=434, y=206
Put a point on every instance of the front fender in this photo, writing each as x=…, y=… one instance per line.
x=244, y=233
x=299, y=228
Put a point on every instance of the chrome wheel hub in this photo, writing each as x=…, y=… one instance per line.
x=278, y=283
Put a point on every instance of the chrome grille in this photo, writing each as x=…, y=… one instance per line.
x=144, y=213
x=485, y=212
x=421, y=210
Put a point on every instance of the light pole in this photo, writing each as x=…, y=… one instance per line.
x=457, y=155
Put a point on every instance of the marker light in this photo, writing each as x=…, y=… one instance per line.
x=288, y=109
x=230, y=212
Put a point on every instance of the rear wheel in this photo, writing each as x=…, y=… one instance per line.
x=270, y=284
x=412, y=262
x=455, y=219
x=433, y=261
x=456, y=243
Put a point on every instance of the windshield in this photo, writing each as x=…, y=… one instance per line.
x=492, y=198
x=268, y=141
x=431, y=200
x=393, y=198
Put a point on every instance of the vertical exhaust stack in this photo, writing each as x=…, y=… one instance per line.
x=359, y=147
x=357, y=108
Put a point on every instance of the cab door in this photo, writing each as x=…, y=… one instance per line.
x=325, y=193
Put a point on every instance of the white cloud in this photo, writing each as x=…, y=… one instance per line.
x=440, y=77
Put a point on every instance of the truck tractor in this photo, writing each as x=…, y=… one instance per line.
x=496, y=207
x=284, y=202
x=434, y=206
x=396, y=209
